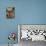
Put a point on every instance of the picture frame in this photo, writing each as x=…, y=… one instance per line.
x=10, y=12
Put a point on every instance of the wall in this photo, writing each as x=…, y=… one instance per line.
x=31, y=11
x=27, y=12
x=6, y=25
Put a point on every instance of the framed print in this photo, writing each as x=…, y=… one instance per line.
x=10, y=12
x=32, y=32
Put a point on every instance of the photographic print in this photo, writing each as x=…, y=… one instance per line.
x=10, y=12
x=28, y=34
x=33, y=32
